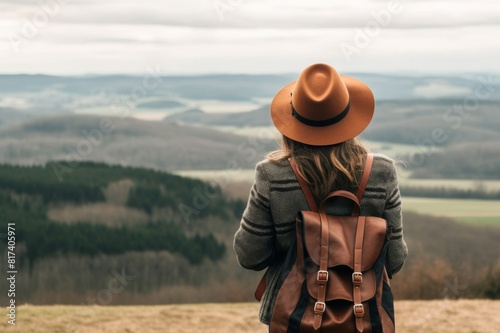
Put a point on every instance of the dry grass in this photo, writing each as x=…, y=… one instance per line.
x=112, y=213
x=117, y=192
x=102, y=213
x=440, y=316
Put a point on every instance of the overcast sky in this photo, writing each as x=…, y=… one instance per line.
x=68, y=37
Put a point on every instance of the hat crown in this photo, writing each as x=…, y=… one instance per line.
x=319, y=93
x=324, y=108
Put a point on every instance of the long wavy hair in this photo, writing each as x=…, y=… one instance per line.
x=325, y=168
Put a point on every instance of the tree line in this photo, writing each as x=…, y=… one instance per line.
x=27, y=191
x=86, y=183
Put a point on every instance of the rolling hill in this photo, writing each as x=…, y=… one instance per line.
x=185, y=141
x=422, y=112
x=127, y=141
x=397, y=121
x=440, y=132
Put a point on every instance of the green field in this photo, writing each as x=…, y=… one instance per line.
x=469, y=211
x=453, y=207
x=486, y=220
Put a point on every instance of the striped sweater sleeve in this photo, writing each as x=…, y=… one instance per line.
x=254, y=240
x=397, y=249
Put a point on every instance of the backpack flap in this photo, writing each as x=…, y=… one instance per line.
x=342, y=235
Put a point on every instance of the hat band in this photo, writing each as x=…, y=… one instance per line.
x=321, y=123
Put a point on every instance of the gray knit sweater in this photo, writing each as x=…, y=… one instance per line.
x=267, y=227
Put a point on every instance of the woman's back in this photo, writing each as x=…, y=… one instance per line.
x=319, y=116
x=267, y=228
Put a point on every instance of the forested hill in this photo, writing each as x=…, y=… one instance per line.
x=101, y=209
x=172, y=236
x=127, y=141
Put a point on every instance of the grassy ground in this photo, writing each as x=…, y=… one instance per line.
x=482, y=220
x=463, y=316
x=461, y=184
x=470, y=211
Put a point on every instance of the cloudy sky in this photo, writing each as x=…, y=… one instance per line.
x=68, y=37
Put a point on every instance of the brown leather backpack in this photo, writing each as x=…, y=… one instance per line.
x=334, y=278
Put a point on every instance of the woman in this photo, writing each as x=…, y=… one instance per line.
x=319, y=116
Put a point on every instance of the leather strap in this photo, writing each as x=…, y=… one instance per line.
x=304, y=186
x=322, y=275
x=357, y=275
x=366, y=174
x=261, y=287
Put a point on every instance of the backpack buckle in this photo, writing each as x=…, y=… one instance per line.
x=359, y=310
x=319, y=307
x=357, y=278
x=322, y=276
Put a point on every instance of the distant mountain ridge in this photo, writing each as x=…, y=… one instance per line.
x=48, y=95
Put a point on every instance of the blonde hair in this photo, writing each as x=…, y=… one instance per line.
x=325, y=168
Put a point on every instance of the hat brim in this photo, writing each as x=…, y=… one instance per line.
x=357, y=119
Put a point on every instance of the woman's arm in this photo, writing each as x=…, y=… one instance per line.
x=254, y=240
x=397, y=249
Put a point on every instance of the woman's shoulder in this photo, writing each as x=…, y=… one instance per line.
x=382, y=161
x=383, y=170
x=268, y=163
x=275, y=169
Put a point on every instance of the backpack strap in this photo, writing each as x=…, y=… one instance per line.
x=366, y=175
x=322, y=275
x=304, y=186
x=357, y=275
x=261, y=287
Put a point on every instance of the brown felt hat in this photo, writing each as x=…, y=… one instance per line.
x=322, y=107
